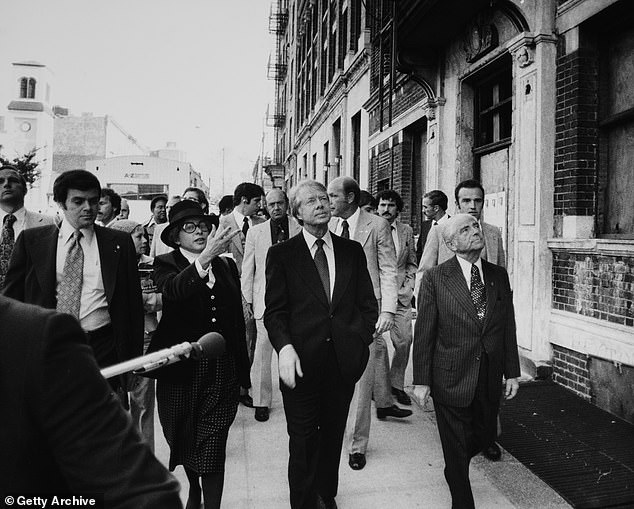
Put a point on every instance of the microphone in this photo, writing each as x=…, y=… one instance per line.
x=209, y=346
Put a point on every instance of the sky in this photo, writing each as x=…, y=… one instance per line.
x=188, y=71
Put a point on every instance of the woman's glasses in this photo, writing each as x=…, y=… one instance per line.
x=190, y=227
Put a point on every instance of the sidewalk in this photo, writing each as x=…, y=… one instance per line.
x=404, y=469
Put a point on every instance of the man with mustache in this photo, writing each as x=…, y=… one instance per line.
x=390, y=207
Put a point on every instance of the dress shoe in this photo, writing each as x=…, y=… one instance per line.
x=262, y=413
x=327, y=503
x=356, y=461
x=401, y=396
x=392, y=411
x=246, y=400
x=492, y=452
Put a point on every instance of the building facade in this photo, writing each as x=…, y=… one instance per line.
x=534, y=99
x=321, y=69
x=138, y=179
x=26, y=124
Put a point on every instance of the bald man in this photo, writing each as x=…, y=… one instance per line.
x=259, y=239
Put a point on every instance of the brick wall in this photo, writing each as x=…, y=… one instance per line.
x=406, y=97
x=601, y=287
x=571, y=369
x=576, y=130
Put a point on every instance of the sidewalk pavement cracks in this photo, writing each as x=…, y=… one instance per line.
x=404, y=468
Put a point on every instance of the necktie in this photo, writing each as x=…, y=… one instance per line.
x=345, y=229
x=7, y=239
x=69, y=293
x=478, y=292
x=435, y=223
x=322, y=266
x=245, y=225
x=281, y=234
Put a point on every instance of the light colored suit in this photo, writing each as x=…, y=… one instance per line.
x=401, y=333
x=374, y=234
x=437, y=252
x=34, y=219
x=253, y=283
x=236, y=247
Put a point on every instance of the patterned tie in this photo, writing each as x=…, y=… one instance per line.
x=281, y=234
x=7, y=239
x=478, y=292
x=245, y=225
x=69, y=293
x=321, y=262
x=345, y=229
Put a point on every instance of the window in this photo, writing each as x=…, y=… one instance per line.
x=139, y=191
x=616, y=136
x=314, y=176
x=356, y=146
x=27, y=88
x=493, y=109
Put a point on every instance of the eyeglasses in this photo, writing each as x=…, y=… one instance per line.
x=190, y=227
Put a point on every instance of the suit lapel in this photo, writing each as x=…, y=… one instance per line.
x=109, y=254
x=363, y=229
x=342, y=270
x=307, y=270
x=457, y=285
x=45, y=247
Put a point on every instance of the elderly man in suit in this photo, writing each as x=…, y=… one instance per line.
x=320, y=312
x=260, y=238
x=83, y=269
x=13, y=216
x=464, y=345
x=390, y=207
x=62, y=430
x=374, y=235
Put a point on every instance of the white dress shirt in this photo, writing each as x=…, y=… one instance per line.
x=466, y=269
x=352, y=224
x=20, y=220
x=93, y=310
x=311, y=241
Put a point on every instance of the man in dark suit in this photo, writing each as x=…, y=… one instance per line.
x=84, y=270
x=435, y=211
x=62, y=429
x=464, y=344
x=14, y=217
x=320, y=313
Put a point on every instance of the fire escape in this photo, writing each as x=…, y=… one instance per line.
x=276, y=70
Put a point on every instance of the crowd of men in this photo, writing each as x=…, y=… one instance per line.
x=328, y=276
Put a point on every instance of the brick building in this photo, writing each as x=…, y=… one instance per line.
x=534, y=99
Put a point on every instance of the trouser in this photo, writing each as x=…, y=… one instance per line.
x=316, y=412
x=261, y=382
x=464, y=432
x=401, y=336
x=143, y=401
x=375, y=380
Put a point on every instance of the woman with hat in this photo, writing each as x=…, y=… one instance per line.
x=198, y=400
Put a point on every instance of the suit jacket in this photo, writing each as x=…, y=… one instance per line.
x=422, y=239
x=32, y=279
x=297, y=311
x=449, y=337
x=192, y=309
x=437, y=252
x=236, y=247
x=374, y=234
x=62, y=430
x=253, y=278
x=405, y=264
x=34, y=219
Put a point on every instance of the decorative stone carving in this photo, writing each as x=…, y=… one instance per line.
x=525, y=56
x=480, y=38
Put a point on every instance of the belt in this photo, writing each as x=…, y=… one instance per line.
x=99, y=333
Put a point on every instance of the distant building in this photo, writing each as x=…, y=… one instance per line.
x=138, y=179
x=27, y=124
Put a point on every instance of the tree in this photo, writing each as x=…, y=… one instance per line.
x=26, y=165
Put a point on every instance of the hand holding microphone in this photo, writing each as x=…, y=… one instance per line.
x=209, y=346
